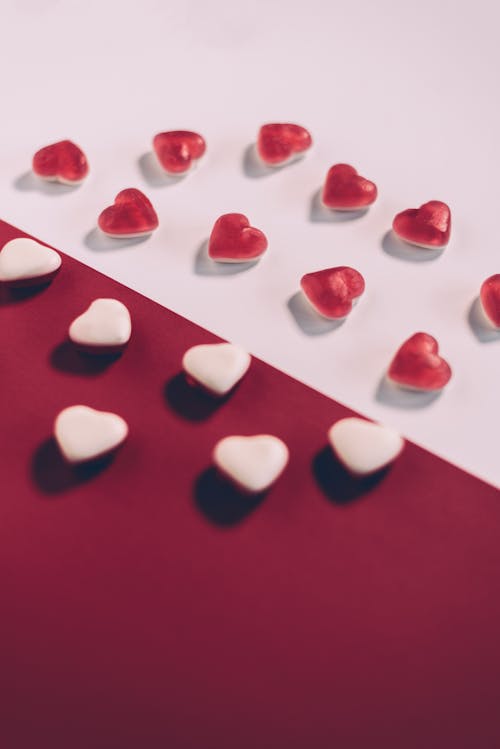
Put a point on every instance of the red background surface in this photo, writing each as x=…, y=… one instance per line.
x=144, y=604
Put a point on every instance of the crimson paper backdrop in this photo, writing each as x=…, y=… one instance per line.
x=144, y=605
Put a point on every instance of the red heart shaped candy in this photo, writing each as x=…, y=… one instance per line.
x=63, y=161
x=333, y=291
x=131, y=215
x=490, y=299
x=233, y=240
x=417, y=364
x=346, y=190
x=428, y=226
x=176, y=150
x=278, y=143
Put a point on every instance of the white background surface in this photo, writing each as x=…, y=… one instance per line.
x=406, y=92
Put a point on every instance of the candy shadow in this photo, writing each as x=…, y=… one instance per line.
x=253, y=167
x=97, y=241
x=395, y=247
x=308, y=320
x=205, y=266
x=337, y=484
x=318, y=213
x=67, y=358
x=52, y=475
x=22, y=294
x=480, y=325
x=220, y=502
x=391, y=394
x=153, y=174
x=190, y=402
x=29, y=182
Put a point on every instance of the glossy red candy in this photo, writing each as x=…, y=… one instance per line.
x=277, y=143
x=417, y=364
x=346, y=190
x=177, y=150
x=490, y=299
x=233, y=240
x=428, y=226
x=130, y=216
x=333, y=291
x=63, y=161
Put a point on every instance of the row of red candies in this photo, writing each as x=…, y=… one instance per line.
x=332, y=291
x=277, y=144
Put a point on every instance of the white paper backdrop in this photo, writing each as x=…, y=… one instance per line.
x=405, y=92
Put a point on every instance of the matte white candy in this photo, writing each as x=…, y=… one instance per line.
x=83, y=433
x=364, y=447
x=105, y=323
x=22, y=259
x=216, y=366
x=253, y=463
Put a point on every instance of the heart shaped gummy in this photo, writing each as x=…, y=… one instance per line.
x=105, y=327
x=332, y=291
x=25, y=262
x=363, y=447
x=233, y=240
x=132, y=215
x=84, y=433
x=490, y=299
x=346, y=190
x=428, y=226
x=278, y=143
x=178, y=150
x=63, y=162
x=251, y=463
x=418, y=366
x=217, y=367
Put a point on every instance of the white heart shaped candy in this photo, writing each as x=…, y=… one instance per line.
x=83, y=433
x=216, y=366
x=252, y=463
x=364, y=447
x=104, y=325
x=23, y=260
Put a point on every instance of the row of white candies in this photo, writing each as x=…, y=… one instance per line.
x=252, y=463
